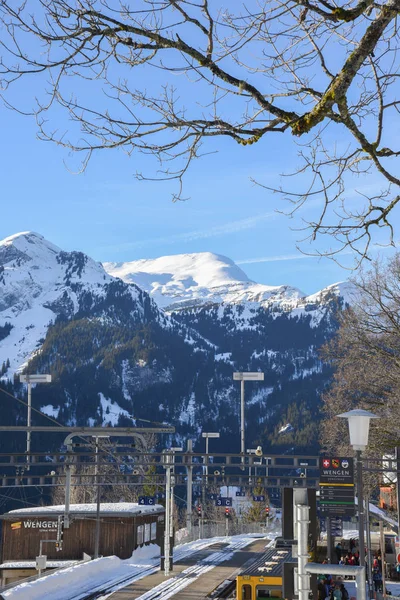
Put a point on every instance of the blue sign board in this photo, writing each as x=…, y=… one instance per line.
x=147, y=500
x=241, y=494
x=258, y=498
x=213, y=496
x=223, y=501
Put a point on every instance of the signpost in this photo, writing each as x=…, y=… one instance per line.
x=336, y=486
x=223, y=501
x=258, y=498
x=147, y=500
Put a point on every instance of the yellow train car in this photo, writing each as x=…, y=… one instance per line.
x=264, y=577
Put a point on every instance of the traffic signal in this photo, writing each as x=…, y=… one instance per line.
x=267, y=510
x=60, y=533
x=199, y=511
x=227, y=513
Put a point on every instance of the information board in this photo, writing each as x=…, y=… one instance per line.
x=336, y=486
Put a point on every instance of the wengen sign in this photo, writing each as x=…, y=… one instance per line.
x=336, y=485
x=34, y=524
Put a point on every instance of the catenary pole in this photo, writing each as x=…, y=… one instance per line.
x=189, y=489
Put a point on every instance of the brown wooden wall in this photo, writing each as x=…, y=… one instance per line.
x=117, y=536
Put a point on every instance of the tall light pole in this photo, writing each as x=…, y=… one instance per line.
x=29, y=379
x=358, y=421
x=242, y=377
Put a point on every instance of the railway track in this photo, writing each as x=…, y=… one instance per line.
x=172, y=586
x=117, y=584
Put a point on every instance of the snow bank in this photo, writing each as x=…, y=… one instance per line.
x=63, y=584
x=76, y=581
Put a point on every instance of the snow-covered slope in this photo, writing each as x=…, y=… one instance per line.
x=185, y=280
x=38, y=282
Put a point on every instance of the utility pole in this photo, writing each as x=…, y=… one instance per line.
x=207, y=435
x=242, y=377
x=167, y=549
x=29, y=379
x=369, y=553
x=189, y=489
x=169, y=465
x=96, y=472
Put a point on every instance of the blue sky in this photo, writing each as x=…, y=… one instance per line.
x=108, y=214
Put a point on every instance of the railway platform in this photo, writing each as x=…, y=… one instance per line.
x=195, y=577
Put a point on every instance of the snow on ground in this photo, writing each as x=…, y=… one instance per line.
x=111, y=411
x=50, y=410
x=76, y=582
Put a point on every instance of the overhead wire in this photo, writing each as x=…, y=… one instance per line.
x=92, y=444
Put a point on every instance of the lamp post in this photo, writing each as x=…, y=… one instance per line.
x=358, y=421
x=29, y=379
x=242, y=377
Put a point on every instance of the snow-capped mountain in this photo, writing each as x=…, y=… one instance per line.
x=159, y=340
x=193, y=281
x=39, y=283
x=185, y=280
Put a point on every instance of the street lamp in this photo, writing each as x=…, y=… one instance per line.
x=242, y=377
x=358, y=421
x=29, y=379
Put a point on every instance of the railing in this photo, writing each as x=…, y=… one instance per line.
x=210, y=529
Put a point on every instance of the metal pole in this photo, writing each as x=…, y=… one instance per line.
x=171, y=520
x=242, y=444
x=382, y=542
x=302, y=540
x=358, y=572
x=360, y=495
x=203, y=494
x=397, y=456
x=189, y=489
x=167, y=519
x=96, y=472
x=29, y=423
x=328, y=540
x=369, y=553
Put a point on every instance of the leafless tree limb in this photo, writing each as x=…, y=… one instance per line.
x=318, y=70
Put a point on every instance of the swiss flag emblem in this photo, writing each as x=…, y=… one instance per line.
x=326, y=463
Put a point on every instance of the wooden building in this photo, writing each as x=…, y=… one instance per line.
x=123, y=528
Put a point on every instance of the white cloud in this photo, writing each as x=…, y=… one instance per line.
x=201, y=234
x=264, y=259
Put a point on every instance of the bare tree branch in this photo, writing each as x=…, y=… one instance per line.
x=319, y=70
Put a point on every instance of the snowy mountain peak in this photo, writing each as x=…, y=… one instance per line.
x=38, y=283
x=27, y=245
x=203, y=269
x=184, y=280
